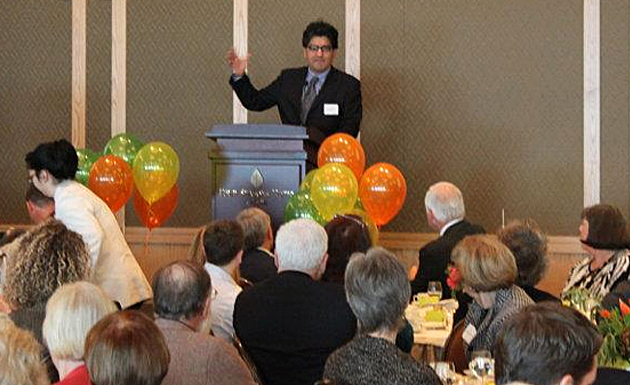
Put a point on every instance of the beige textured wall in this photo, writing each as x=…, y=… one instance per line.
x=487, y=94
x=35, y=75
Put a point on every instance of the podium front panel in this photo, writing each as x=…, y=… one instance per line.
x=241, y=183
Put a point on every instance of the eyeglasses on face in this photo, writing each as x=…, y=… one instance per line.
x=324, y=48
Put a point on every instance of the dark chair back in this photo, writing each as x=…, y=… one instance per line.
x=454, y=349
x=248, y=360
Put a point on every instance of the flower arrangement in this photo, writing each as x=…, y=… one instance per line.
x=614, y=325
x=582, y=300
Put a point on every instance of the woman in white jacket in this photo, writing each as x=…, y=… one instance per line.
x=52, y=167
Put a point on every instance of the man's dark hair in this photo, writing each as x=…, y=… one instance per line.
x=37, y=197
x=222, y=241
x=320, y=28
x=543, y=343
x=58, y=157
x=180, y=290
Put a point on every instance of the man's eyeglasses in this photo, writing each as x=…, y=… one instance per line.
x=324, y=48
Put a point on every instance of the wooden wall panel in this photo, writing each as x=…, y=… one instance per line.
x=166, y=245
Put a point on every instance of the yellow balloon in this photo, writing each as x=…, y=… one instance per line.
x=155, y=170
x=334, y=190
x=373, y=230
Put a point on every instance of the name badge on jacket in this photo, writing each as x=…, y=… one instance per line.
x=331, y=109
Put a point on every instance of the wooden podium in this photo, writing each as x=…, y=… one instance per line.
x=255, y=165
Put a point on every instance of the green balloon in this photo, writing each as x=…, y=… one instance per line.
x=125, y=146
x=300, y=206
x=87, y=158
x=308, y=179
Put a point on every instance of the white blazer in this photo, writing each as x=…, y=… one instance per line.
x=114, y=268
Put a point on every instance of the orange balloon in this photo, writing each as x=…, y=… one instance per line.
x=382, y=191
x=111, y=179
x=342, y=148
x=154, y=215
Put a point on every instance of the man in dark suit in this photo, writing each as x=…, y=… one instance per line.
x=291, y=323
x=258, y=262
x=445, y=209
x=318, y=96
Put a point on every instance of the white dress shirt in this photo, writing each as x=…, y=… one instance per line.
x=222, y=307
x=114, y=267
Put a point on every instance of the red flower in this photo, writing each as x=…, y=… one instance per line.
x=454, y=277
x=604, y=313
x=625, y=309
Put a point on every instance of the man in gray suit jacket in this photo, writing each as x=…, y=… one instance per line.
x=182, y=305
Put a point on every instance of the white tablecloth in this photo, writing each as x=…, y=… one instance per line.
x=425, y=336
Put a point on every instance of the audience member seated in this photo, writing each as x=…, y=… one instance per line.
x=347, y=234
x=48, y=256
x=258, y=261
x=70, y=314
x=52, y=167
x=547, y=344
x=182, y=304
x=291, y=323
x=529, y=246
x=488, y=272
x=223, y=245
x=604, y=236
x=39, y=206
x=20, y=356
x=444, y=204
x=378, y=292
x=126, y=348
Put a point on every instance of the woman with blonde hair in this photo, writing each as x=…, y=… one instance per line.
x=489, y=275
x=70, y=314
x=20, y=356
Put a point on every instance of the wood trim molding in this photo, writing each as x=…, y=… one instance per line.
x=79, y=49
x=353, y=38
x=119, y=67
x=240, y=46
x=119, y=78
x=557, y=244
x=592, y=102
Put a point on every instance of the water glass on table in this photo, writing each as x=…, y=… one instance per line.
x=481, y=364
x=434, y=290
x=446, y=372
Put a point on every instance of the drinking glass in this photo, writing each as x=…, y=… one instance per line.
x=434, y=290
x=446, y=372
x=481, y=364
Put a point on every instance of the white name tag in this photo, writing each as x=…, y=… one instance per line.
x=331, y=109
x=469, y=333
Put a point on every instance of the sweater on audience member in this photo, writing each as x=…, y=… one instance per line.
x=369, y=360
x=79, y=376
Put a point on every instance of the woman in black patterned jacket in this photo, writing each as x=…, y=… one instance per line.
x=604, y=236
x=489, y=273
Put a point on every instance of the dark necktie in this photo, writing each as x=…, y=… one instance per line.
x=307, y=99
